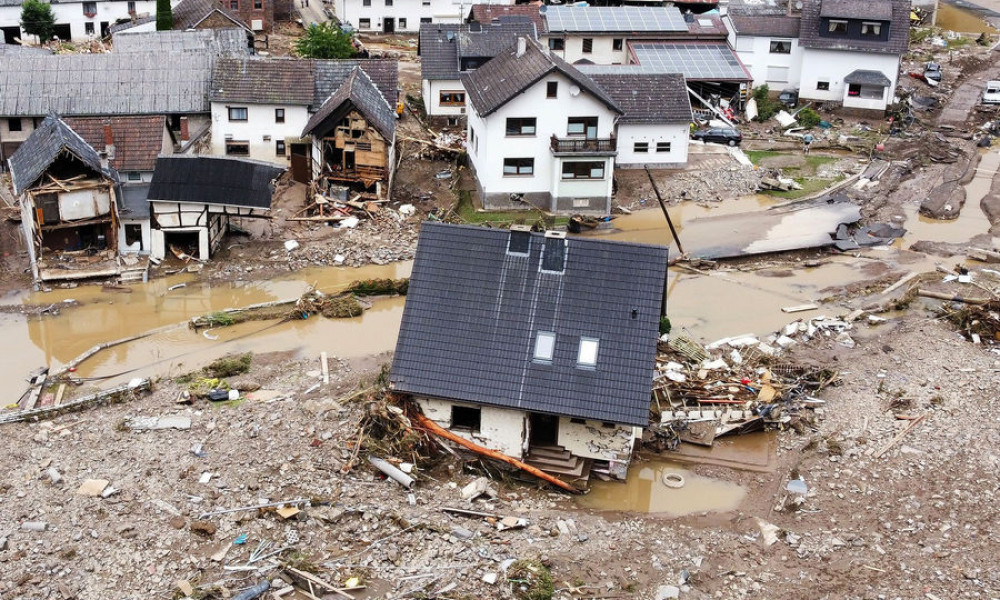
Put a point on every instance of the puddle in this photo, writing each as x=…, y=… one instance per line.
x=644, y=491
x=961, y=20
x=971, y=220
x=103, y=317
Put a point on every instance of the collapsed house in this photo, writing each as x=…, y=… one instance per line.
x=354, y=137
x=69, y=212
x=533, y=344
x=193, y=198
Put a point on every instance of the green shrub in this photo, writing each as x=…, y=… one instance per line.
x=227, y=366
x=530, y=580
x=766, y=107
x=808, y=118
x=664, y=325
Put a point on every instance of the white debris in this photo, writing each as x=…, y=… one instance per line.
x=407, y=209
x=291, y=245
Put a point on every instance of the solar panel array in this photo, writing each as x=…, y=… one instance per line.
x=708, y=62
x=611, y=19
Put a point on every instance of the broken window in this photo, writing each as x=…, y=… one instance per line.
x=554, y=255
x=663, y=146
x=545, y=345
x=133, y=235
x=837, y=26
x=781, y=46
x=465, y=417
x=518, y=166
x=237, y=113
x=591, y=169
x=588, y=45
x=587, y=357
x=521, y=126
x=872, y=29
x=557, y=44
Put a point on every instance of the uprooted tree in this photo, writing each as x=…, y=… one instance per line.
x=37, y=19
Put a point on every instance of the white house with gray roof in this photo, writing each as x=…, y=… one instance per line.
x=397, y=16
x=76, y=20
x=600, y=34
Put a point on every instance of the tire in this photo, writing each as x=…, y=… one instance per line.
x=732, y=142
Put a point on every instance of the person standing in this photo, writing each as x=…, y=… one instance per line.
x=807, y=140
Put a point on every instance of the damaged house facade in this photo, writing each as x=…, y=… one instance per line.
x=75, y=20
x=534, y=345
x=193, y=198
x=68, y=206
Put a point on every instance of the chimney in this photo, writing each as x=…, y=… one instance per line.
x=109, y=142
x=185, y=132
x=522, y=46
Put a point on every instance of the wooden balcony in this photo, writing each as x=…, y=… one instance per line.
x=606, y=146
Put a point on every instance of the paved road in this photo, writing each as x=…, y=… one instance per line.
x=965, y=97
x=312, y=13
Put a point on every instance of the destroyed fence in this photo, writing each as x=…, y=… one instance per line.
x=115, y=394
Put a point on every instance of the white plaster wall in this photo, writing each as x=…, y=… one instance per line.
x=864, y=103
x=582, y=188
x=592, y=440
x=500, y=429
x=431, y=91
x=675, y=133
x=603, y=48
x=755, y=53
x=72, y=13
x=551, y=116
x=834, y=65
x=191, y=215
x=27, y=127
x=259, y=123
x=144, y=223
x=438, y=11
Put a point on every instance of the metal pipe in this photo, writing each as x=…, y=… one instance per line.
x=392, y=472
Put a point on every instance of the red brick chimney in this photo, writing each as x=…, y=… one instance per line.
x=109, y=142
x=185, y=132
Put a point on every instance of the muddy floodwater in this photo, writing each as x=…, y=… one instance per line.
x=958, y=19
x=648, y=489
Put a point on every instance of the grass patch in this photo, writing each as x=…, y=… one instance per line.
x=804, y=175
x=466, y=211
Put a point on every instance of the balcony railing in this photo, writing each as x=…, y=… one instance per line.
x=584, y=146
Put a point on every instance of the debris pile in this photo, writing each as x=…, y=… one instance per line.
x=978, y=323
x=340, y=306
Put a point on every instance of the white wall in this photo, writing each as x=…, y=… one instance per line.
x=438, y=11
x=778, y=71
x=431, y=91
x=551, y=119
x=72, y=13
x=259, y=124
x=591, y=439
x=833, y=65
x=602, y=50
x=144, y=247
x=500, y=429
x=675, y=133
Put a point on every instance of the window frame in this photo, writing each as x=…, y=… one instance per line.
x=588, y=176
x=401, y=23
x=280, y=149
x=875, y=25
x=663, y=147
x=472, y=414
x=587, y=47
x=586, y=122
x=837, y=26
x=557, y=44
x=234, y=144
x=134, y=176
x=780, y=47
x=279, y=115
x=234, y=5
x=231, y=110
x=551, y=89
x=640, y=147
x=258, y=4
x=586, y=361
x=617, y=44
x=544, y=340
x=521, y=127
x=364, y=23
x=823, y=86
x=131, y=7
x=460, y=101
x=10, y=124
x=90, y=14
x=523, y=166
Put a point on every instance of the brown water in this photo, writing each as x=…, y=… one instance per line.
x=961, y=20
x=644, y=491
x=101, y=317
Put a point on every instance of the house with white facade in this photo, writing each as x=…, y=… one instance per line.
x=540, y=131
x=396, y=16
x=76, y=20
x=600, y=34
x=447, y=51
x=844, y=52
x=536, y=345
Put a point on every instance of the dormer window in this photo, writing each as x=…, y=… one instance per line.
x=870, y=28
x=554, y=252
x=520, y=240
x=838, y=26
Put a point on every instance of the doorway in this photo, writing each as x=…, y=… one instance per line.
x=388, y=25
x=543, y=430
x=301, y=169
x=11, y=35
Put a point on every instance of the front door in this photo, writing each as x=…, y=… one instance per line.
x=389, y=25
x=543, y=430
x=301, y=169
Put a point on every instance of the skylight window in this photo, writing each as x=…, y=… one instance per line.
x=520, y=240
x=588, y=353
x=545, y=345
x=554, y=252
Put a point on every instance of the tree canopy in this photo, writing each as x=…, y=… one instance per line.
x=325, y=40
x=164, y=16
x=37, y=19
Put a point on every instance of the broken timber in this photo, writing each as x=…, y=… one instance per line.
x=46, y=411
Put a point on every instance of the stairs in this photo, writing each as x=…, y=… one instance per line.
x=559, y=462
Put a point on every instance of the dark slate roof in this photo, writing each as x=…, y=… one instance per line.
x=507, y=75
x=879, y=10
x=766, y=25
x=438, y=49
x=41, y=149
x=864, y=77
x=214, y=180
x=485, y=13
x=706, y=25
x=648, y=98
x=133, y=201
x=231, y=41
x=899, y=30
x=263, y=81
x=17, y=50
x=358, y=90
x=138, y=140
x=111, y=83
x=473, y=311
x=188, y=14
x=330, y=75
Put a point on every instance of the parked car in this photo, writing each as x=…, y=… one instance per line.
x=991, y=95
x=932, y=72
x=719, y=135
x=789, y=97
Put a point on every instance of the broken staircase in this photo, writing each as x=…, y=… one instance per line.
x=560, y=462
